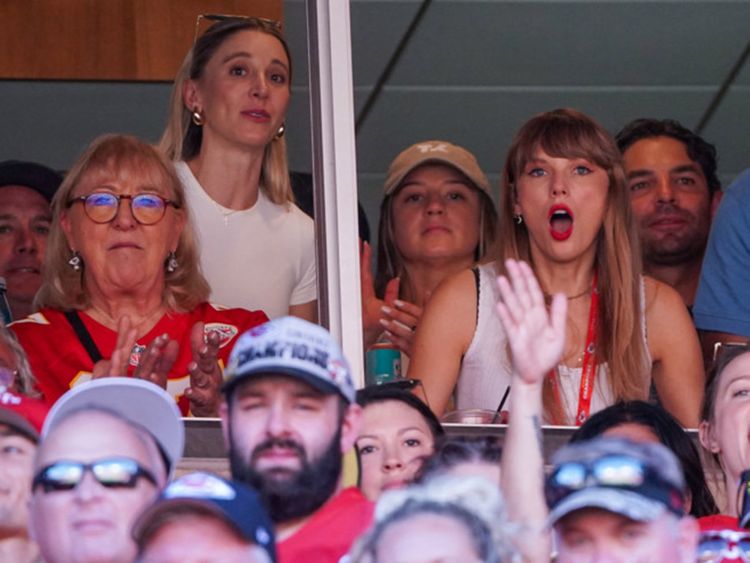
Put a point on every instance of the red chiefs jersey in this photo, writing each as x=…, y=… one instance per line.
x=59, y=361
x=329, y=534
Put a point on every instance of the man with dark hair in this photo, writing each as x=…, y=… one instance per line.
x=26, y=190
x=674, y=190
x=288, y=417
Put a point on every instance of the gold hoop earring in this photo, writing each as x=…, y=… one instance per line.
x=197, y=117
x=280, y=133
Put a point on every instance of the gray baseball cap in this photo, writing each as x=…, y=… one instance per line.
x=637, y=480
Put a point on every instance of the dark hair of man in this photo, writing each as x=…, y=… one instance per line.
x=669, y=432
x=455, y=450
x=699, y=150
x=381, y=393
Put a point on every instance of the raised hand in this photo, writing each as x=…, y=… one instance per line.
x=400, y=321
x=117, y=364
x=536, y=336
x=205, y=373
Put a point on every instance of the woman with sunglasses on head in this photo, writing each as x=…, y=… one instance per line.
x=226, y=134
x=122, y=293
x=398, y=432
x=565, y=210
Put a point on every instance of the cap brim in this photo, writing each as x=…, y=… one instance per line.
x=18, y=422
x=619, y=501
x=395, y=182
x=329, y=388
x=151, y=514
x=135, y=400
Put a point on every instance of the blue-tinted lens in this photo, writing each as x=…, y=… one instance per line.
x=62, y=476
x=101, y=206
x=148, y=208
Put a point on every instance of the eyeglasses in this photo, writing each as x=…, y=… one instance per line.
x=102, y=207
x=613, y=471
x=719, y=545
x=263, y=23
x=118, y=472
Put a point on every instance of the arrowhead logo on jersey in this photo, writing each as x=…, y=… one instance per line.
x=226, y=332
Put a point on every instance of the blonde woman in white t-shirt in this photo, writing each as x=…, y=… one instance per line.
x=225, y=133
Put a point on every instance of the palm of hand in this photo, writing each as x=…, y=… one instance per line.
x=536, y=336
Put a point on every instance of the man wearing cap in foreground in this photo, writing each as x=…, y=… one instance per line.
x=26, y=190
x=107, y=449
x=288, y=417
x=21, y=420
x=202, y=517
x=619, y=501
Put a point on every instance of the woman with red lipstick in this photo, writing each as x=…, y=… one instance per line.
x=226, y=132
x=565, y=211
x=122, y=293
x=436, y=219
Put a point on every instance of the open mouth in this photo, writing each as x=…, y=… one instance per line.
x=560, y=222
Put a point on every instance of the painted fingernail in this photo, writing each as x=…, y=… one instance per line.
x=386, y=309
x=384, y=322
x=398, y=303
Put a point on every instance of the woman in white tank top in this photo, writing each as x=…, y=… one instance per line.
x=565, y=210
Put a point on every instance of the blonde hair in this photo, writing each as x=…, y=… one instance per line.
x=182, y=138
x=62, y=287
x=567, y=133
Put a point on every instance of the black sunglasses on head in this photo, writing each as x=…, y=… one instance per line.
x=118, y=472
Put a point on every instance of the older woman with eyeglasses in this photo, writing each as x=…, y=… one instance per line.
x=225, y=133
x=122, y=292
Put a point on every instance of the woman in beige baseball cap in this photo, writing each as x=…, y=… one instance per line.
x=436, y=219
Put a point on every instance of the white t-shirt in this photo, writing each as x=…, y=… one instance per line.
x=257, y=258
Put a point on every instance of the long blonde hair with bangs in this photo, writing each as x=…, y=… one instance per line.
x=567, y=133
x=182, y=138
x=62, y=287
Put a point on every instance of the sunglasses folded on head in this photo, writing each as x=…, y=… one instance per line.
x=613, y=472
x=118, y=472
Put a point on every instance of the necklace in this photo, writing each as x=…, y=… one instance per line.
x=548, y=297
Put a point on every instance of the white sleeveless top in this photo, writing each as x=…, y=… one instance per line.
x=486, y=367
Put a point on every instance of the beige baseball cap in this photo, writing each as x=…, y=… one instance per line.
x=441, y=152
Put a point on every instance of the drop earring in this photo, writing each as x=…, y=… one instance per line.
x=280, y=133
x=197, y=117
x=75, y=262
x=172, y=263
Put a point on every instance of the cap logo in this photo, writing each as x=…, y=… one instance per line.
x=286, y=350
x=7, y=398
x=200, y=485
x=432, y=147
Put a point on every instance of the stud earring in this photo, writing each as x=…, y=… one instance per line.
x=280, y=133
x=197, y=117
x=172, y=263
x=75, y=262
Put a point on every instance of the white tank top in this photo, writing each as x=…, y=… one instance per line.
x=486, y=369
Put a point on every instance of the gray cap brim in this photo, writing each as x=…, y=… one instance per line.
x=619, y=501
x=135, y=400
